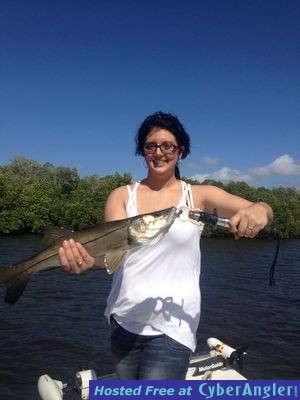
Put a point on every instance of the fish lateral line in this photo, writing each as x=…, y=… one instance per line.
x=17, y=276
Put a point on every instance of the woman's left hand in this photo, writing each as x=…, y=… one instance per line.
x=249, y=221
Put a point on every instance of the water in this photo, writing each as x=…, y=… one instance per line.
x=58, y=327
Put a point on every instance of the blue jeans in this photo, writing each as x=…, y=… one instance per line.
x=139, y=357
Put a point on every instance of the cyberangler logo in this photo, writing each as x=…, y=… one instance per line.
x=249, y=390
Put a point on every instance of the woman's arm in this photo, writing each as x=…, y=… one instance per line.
x=115, y=207
x=246, y=218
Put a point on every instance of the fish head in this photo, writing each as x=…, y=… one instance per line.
x=149, y=228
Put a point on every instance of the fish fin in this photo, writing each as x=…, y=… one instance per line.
x=15, y=288
x=15, y=279
x=113, y=260
x=54, y=233
x=7, y=274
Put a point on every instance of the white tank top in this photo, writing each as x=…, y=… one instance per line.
x=157, y=289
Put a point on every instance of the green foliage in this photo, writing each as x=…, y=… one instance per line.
x=33, y=196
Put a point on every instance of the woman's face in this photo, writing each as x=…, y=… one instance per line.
x=161, y=159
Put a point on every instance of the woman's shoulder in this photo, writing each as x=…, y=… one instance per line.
x=120, y=191
x=115, y=207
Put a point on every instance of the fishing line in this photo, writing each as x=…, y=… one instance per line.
x=272, y=268
x=271, y=232
x=214, y=220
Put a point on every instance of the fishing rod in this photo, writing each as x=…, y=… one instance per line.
x=213, y=219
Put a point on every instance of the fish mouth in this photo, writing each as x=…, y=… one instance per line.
x=151, y=227
x=159, y=220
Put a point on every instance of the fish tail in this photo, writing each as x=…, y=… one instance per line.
x=7, y=274
x=15, y=289
x=15, y=278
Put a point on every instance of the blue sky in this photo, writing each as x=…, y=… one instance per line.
x=77, y=78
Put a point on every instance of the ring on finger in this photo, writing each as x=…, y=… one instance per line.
x=250, y=227
x=79, y=263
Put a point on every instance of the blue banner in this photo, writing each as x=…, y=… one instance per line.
x=195, y=390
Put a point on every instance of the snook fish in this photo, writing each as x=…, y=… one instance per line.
x=112, y=239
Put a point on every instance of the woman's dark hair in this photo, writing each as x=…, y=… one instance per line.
x=164, y=121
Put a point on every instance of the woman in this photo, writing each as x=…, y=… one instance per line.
x=154, y=303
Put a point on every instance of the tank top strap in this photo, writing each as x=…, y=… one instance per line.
x=131, y=207
x=187, y=194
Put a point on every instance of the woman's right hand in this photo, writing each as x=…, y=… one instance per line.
x=74, y=258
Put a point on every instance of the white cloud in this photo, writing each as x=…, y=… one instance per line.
x=283, y=165
x=200, y=177
x=225, y=174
